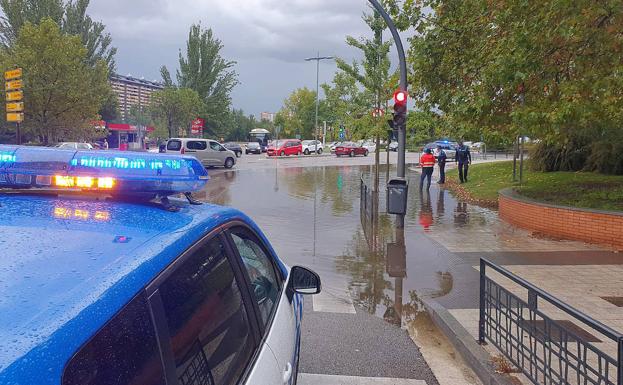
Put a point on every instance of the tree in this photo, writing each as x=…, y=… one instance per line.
x=375, y=78
x=239, y=126
x=70, y=16
x=204, y=70
x=550, y=70
x=296, y=117
x=346, y=104
x=175, y=108
x=62, y=92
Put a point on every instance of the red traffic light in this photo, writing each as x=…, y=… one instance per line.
x=400, y=97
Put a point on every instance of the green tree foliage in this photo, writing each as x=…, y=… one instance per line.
x=62, y=92
x=204, y=70
x=173, y=109
x=239, y=126
x=552, y=70
x=372, y=74
x=296, y=117
x=69, y=15
x=346, y=104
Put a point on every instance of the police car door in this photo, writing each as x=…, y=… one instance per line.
x=279, y=315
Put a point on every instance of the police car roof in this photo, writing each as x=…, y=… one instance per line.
x=68, y=265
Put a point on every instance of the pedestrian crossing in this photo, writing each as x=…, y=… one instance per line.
x=328, y=379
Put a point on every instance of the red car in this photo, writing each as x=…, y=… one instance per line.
x=350, y=149
x=285, y=147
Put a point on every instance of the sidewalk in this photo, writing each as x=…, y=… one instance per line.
x=582, y=275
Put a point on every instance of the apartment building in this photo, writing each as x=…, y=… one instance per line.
x=132, y=91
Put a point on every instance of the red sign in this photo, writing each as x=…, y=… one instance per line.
x=196, y=127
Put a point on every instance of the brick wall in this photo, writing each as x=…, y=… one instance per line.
x=591, y=226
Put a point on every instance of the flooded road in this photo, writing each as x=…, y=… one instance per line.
x=312, y=217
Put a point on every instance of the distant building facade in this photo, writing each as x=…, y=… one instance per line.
x=132, y=91
x=267, y=116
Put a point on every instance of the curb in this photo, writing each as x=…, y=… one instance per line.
x=473, y=354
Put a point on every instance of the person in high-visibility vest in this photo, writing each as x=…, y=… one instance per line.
x=427, y=162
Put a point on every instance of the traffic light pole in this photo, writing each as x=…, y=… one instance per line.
x=402, y=65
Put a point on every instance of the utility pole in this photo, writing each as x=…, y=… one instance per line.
x=318, y=58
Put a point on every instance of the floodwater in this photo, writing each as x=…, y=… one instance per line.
x=314, y=217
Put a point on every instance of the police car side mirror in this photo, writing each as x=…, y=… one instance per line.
x=303, y=281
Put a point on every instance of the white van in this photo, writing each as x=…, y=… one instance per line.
x=209, y=152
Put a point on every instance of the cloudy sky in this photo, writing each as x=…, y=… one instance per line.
x=267, y=38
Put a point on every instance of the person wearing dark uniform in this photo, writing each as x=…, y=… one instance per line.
x=427, y=162
x=441, y=161
x=464, y=159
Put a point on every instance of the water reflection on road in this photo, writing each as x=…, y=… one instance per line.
x=312, y=217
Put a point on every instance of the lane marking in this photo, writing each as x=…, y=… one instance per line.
x=327, y=379
x=333, y=301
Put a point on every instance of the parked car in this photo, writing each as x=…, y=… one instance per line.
x=310, y=146
x=235, y=147
x=351, y=149
x=285, y=147
x=393, y=146
x=370, y=145
x=74, y=146
x=333, y=145
x=209, y=152
x=253, y=148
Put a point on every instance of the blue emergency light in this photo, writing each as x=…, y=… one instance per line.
x=117, y=172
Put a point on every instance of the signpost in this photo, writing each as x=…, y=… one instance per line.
x=196, y=127
x=14, y=95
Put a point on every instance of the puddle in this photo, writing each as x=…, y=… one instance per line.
x=313, y=217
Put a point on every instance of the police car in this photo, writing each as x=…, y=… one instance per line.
x=107, y=280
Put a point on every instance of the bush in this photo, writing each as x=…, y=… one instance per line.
x=606, y=157
x=603, y=156
x=569, y=156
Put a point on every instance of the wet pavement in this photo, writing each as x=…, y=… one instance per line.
x=373, y=286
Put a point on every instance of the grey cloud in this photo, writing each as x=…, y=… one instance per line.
x=268, y=39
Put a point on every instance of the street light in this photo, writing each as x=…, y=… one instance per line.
x=318, y=58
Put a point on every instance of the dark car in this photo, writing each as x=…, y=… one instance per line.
x=253, y=148
x=350, y=149
x=235, y=147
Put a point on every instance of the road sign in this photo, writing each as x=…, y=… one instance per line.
x=16, y=117
x=13, y=74
x=13, y=85
x=196, y=127
x=15, y=107
x=342, y=135
x=14, y=96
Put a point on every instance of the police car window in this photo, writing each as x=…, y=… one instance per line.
x=215, y=146
x=174, y=145
x=260, y=270
x=207, y=322
x=123, y=352
x=196, y=145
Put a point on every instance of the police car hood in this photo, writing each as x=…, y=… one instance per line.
x=61, y=257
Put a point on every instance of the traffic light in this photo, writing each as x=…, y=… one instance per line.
x=400, y=109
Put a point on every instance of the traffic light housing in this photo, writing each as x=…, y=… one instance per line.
x=400, y=110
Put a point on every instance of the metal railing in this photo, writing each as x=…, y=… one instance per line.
x=547, y=351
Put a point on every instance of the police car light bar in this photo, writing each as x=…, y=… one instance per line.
x=119, y=172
